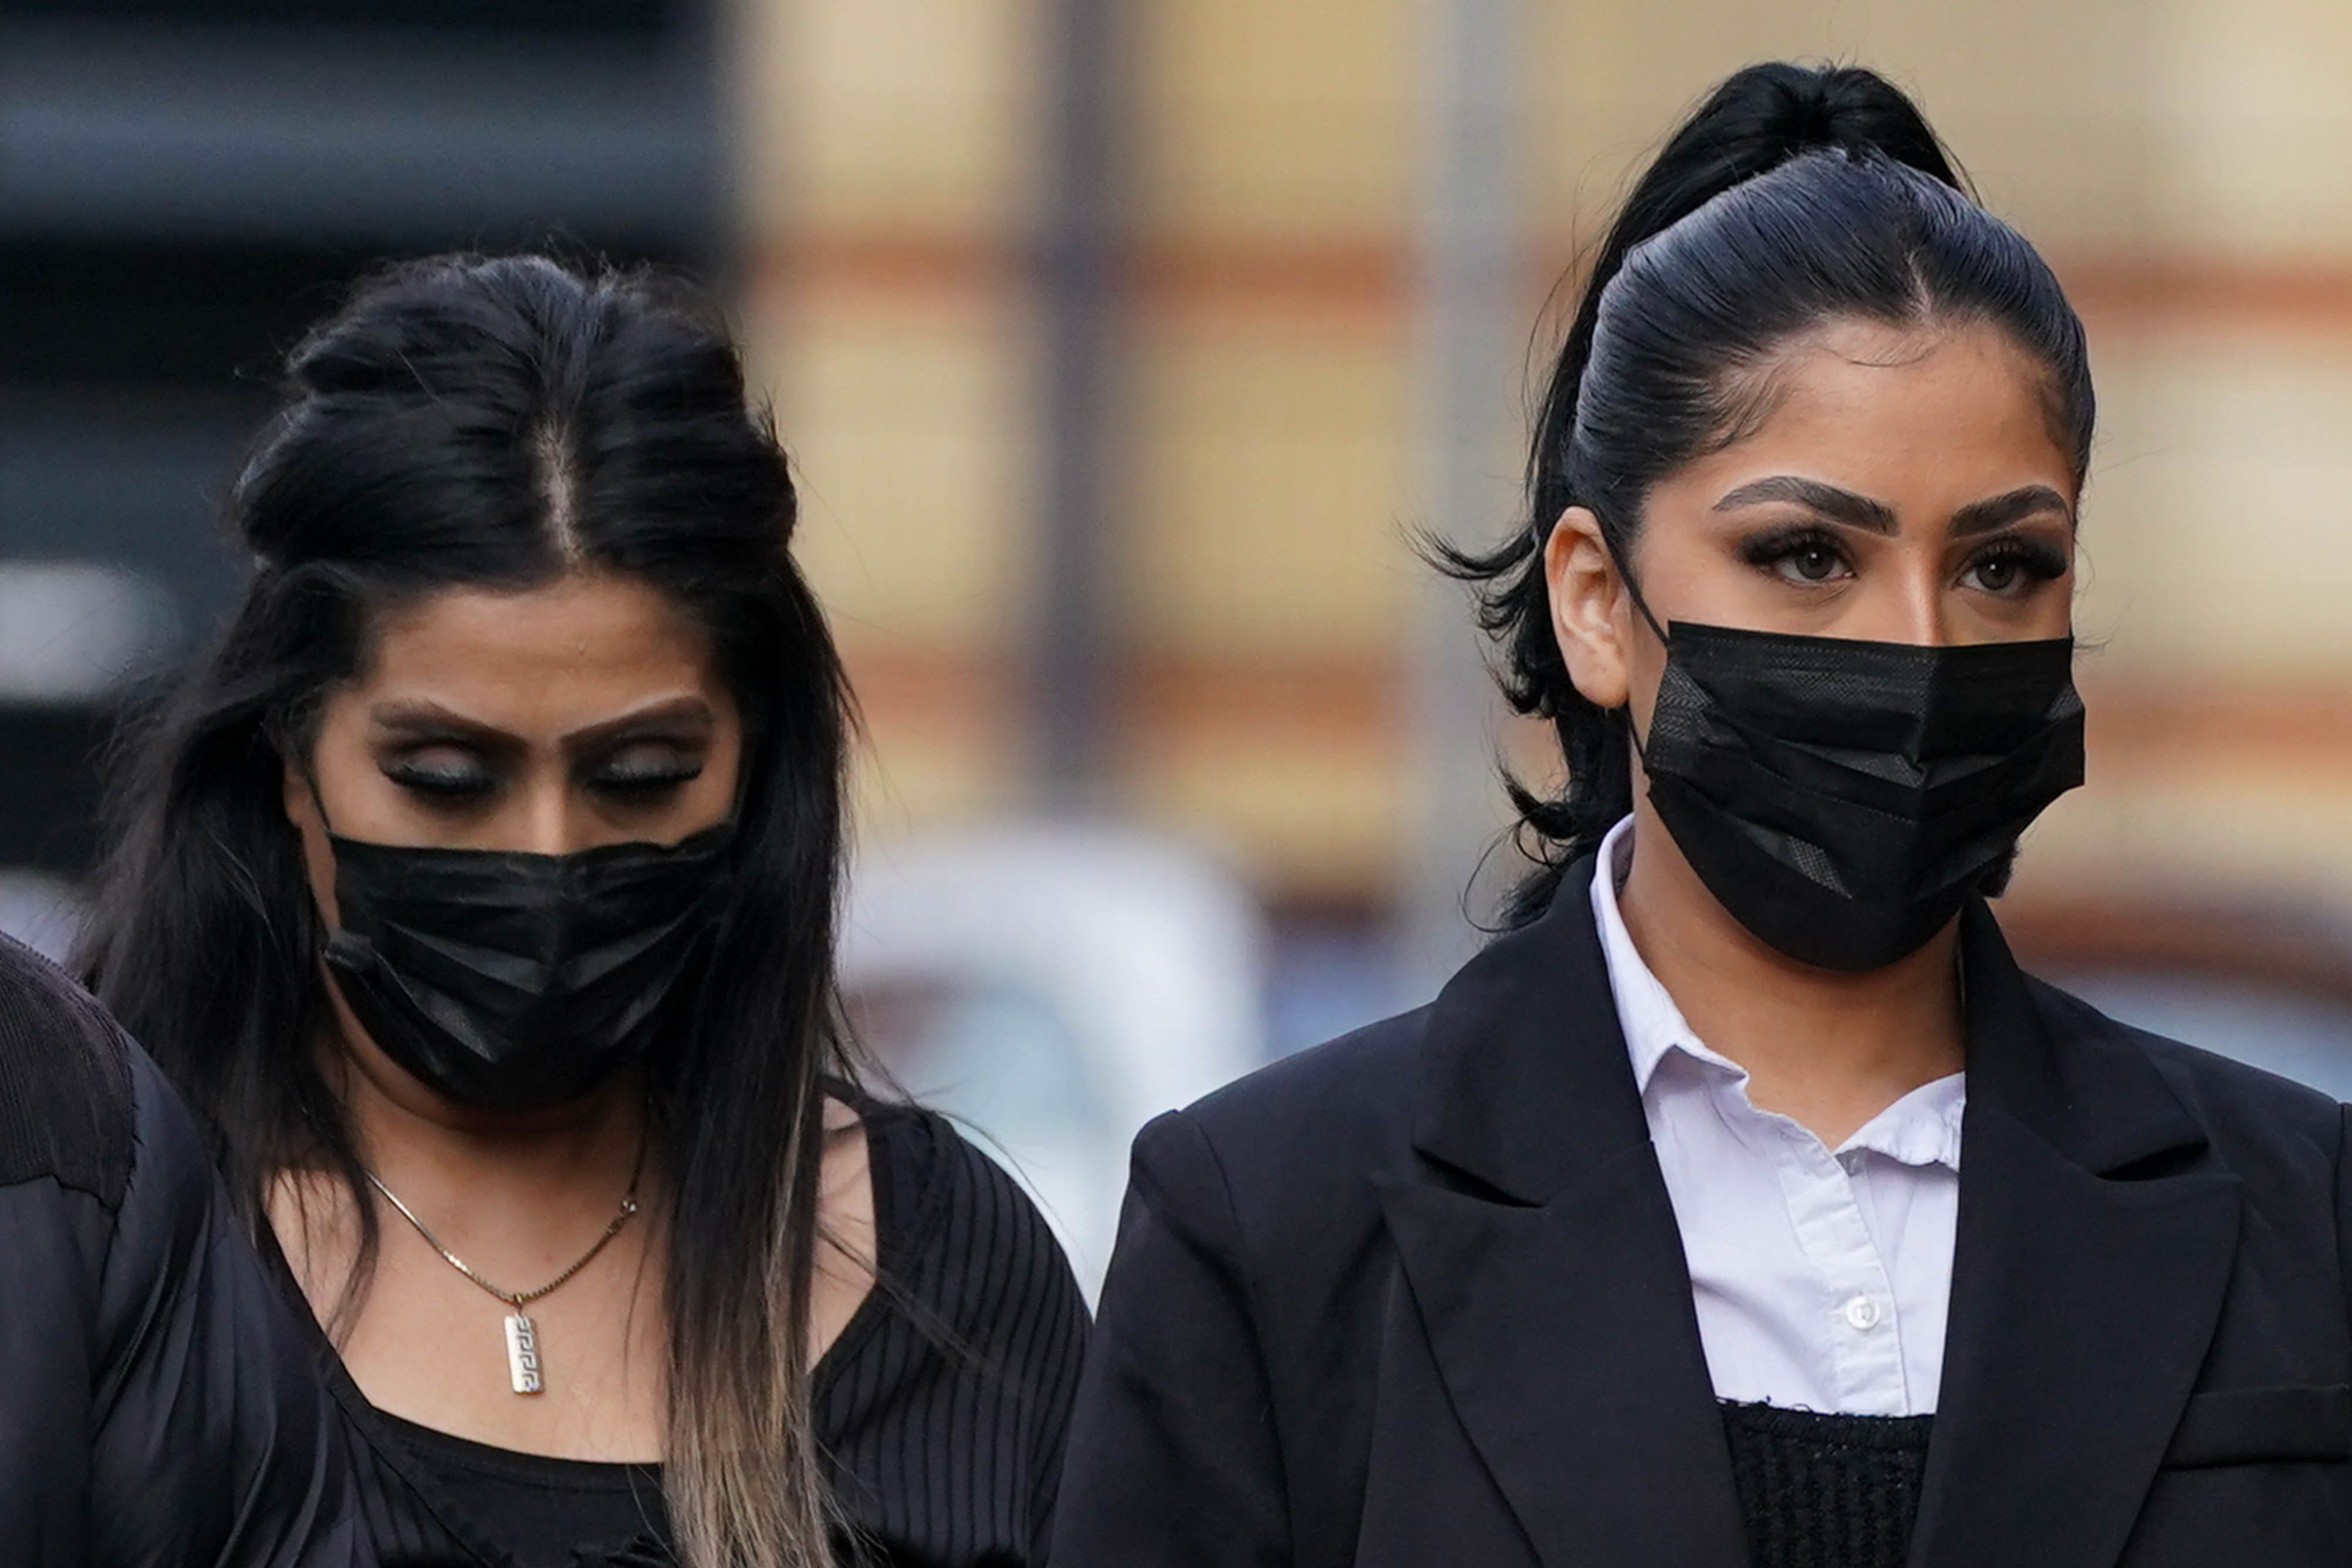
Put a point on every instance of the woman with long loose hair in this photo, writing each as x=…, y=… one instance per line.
x=479, y=891
x=1743, y=1202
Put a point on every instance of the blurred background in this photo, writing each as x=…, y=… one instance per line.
x=1123, y=346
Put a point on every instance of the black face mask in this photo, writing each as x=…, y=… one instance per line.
x=511, y=981
x=1843, y=799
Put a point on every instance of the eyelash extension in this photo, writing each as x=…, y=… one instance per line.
x=1762, y=550
x=2036, y=559
x=445, y=784
x=644, y=781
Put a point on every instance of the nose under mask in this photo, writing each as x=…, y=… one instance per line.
x=513, y=981
x=1843, y=799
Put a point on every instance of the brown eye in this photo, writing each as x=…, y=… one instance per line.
x=1997, y=577
x=2014, y=568
x=1813, y=562
x=1803, y=557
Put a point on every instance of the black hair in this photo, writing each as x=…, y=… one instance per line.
x=1793, y=196
x=501, y=422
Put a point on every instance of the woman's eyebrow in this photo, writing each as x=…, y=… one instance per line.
x=2001, y=510
x=427, y=719
x=1839, y=506
x=675, y=713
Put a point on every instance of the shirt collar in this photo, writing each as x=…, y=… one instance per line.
x=1653, y=1025
x=1922, y=1127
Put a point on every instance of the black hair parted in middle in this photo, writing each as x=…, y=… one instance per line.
x=1793, y=196
x=502, y=422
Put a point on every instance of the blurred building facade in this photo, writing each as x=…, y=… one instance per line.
x=1266, y=427
x=1124, y=345
x=186, y=185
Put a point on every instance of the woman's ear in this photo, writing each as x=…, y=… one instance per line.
x=301, y=805
x=1589, y=617
x=309, y=820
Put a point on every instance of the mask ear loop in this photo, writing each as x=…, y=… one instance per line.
x=317, y=801
x=328, y=937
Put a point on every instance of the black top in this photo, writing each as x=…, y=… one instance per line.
x=1418, y=1297
x=941, y=1407
x=545, y=1513
x=160, y=1404
x=1820, y=1490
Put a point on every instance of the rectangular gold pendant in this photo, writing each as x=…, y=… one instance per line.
x=522, y=1353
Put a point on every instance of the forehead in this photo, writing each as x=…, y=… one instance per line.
x=582, y=639
x=1928, y=415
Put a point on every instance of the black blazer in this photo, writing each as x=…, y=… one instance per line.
x=1417, y=1297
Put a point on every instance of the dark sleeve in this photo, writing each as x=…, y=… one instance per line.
x=1042, y=1329
x=157, y=1409
x=942, y=1418
x=213, y=1439
x=2344, y=1201
x=1174, y=1458
x=1019, y=1307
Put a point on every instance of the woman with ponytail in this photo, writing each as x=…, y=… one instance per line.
x=1743, y=1202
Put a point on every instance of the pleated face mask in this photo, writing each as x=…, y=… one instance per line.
x=1843, y=799
x=513, y=981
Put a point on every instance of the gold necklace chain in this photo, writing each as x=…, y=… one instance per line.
x=519, y=1299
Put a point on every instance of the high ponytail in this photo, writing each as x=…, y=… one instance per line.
x=1791, y=196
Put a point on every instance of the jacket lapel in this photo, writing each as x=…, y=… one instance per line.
x=1547, y=1267
x=2093, y=1249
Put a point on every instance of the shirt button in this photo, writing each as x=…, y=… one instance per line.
x=1862, y=1313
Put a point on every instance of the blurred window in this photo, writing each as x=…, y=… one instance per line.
x=1052, y=989
x=2304, y=1038
x=630, y=16
x=2263, y=983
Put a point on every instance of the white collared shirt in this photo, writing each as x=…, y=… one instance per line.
x=1822, y=1276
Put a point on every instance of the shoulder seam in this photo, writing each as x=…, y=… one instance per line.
x=67, y=1101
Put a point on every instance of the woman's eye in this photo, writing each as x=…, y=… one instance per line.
x=1807, y=563
x=1804, y=557
x=1997, y=576
x=2014, y=569
x=443, y=778
x=642, y=775
x=1812, y=564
